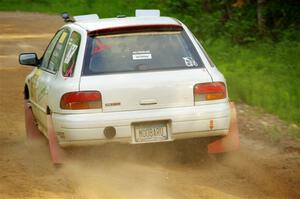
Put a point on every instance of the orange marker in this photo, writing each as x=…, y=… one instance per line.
x=211, y=124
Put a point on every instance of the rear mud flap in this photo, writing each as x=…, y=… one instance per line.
x=231, y=141
x=32, y=132
x=56, y=151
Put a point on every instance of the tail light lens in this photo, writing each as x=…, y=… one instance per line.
x=209, y=91
x=81, y=100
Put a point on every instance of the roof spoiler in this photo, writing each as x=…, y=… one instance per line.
x=86, y=17
x=147, y=13
x=135, y=28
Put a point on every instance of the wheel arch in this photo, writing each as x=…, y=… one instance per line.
x=48, y=110
x=26, y=92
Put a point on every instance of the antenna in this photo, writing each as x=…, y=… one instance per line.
x=66, y=17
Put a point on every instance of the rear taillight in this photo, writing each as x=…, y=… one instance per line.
x=209, y=91
x=81, y=100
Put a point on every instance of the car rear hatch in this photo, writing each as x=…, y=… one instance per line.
x=147, y=90
x=142, y=67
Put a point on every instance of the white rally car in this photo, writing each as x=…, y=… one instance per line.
x=135, y=79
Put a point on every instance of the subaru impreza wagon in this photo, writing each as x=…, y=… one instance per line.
x=135, y=79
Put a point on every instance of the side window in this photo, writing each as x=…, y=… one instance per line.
x=49, y=50
x=71, y=55
x=58, y=51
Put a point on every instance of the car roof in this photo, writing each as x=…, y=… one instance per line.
x=92, y=25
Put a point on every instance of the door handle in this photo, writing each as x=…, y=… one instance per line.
x=148, y=102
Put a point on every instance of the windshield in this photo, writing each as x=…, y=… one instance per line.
x=146, y=51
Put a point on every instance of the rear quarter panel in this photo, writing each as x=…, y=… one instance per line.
x=63, y=84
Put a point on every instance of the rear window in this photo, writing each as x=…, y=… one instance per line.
x=143, y=51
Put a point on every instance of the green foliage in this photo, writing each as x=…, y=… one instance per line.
x=261, y=70
x=208, y=18
x=104, y=8
x=263, y=74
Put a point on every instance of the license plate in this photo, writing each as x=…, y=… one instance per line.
x=151, y=132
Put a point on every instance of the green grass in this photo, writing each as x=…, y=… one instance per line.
x=263, y=73
x=104, y=8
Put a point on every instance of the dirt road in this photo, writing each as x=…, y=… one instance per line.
x=261, y=169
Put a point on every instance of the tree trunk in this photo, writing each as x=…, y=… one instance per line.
x=207, y=5
x=261, y=20
x=227, y=13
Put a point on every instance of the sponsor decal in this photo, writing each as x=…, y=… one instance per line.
x=113, y=104
x=71, y=50
x=63, y=37
x=190, y=62
x=141, y=55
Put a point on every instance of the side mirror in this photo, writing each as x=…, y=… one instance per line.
x=30, y=59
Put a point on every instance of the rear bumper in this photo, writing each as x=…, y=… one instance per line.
x=184, y=122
